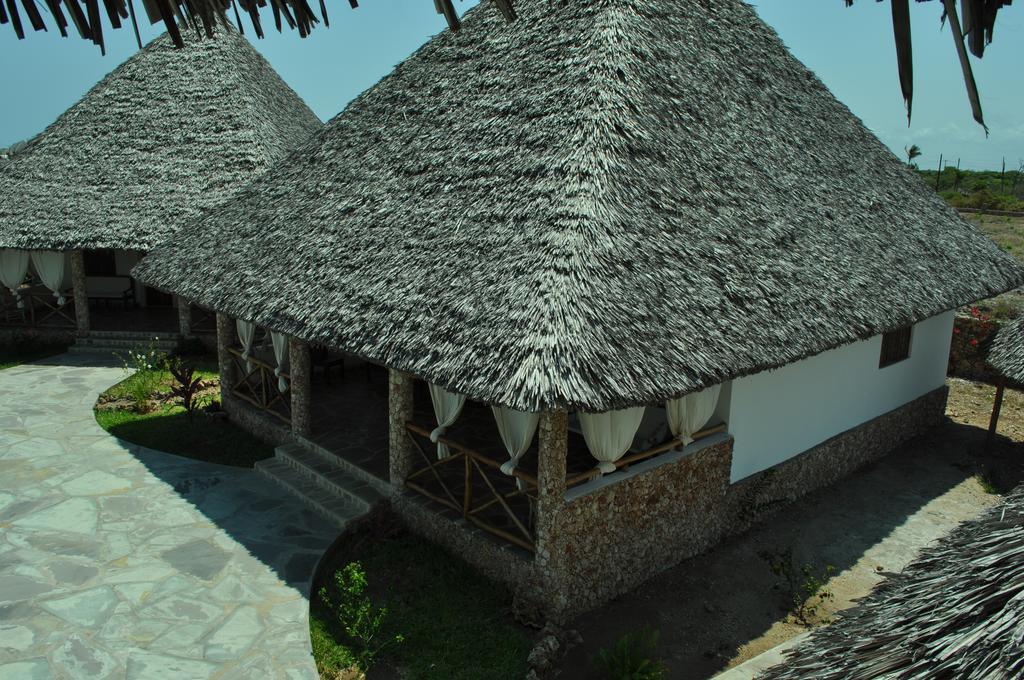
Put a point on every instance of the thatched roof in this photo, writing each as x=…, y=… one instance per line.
x=165, y=136
x=636, y=200
x=955, y=612
x=1006, y=351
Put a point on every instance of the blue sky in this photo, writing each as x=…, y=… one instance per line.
x=850, y=49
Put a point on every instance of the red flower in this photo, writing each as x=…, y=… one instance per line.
x=956, y=330
x=974, y=342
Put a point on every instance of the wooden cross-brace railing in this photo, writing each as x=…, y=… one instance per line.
x=256, y=383
x=457, y=491
x=40, y=308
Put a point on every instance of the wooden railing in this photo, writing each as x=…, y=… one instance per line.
x=452, y=482
x=633, y=458
x=256, y=384
x=456, y=480
x=40, y=308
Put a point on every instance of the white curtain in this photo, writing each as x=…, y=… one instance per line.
x=610, y=434
x=447, y=407
x=246, y=333
x=13, y=267
x=280, y=341
x=50, y=267
x=516, y=429
x=688, y=414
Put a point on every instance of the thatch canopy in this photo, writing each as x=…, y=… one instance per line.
x=1006, y=352
x=622, y=201
x=955, y=612
x=164, y=137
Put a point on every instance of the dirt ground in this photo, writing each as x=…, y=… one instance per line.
x=721, y=608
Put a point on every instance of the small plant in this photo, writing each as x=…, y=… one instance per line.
x=143, y=367
x=186, y=385
x=632, y=657
x=987, y=484
x=362, y=622
x=805, y=587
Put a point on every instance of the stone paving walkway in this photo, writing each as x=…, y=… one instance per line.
x=121, y=562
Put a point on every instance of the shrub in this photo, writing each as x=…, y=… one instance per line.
x=185, y=384
x=804, y=586
x=966, y=358
x=144, y=366
x=632, y=657
x=361, y=621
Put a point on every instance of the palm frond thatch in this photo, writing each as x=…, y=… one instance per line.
x=1006, y=353
x=166, y=135
x=623, y=201
x=955, y=612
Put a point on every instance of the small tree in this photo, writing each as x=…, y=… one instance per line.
x=913, y=151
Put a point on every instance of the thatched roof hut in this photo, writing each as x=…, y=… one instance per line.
x=164, y=137
x=1006, y=352
x=605, y=204
x=955, y=612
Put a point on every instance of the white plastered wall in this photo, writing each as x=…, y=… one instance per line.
x=776, y=415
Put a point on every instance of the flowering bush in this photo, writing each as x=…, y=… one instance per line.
x=144, y=368
x=966, y=352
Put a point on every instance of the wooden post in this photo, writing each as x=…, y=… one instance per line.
x=80, y=294
x=184, y=317
x=553, y=445
x=994, y=421
x=225, y=339
x=401, y=454
x=300, y=388
x=938, y=174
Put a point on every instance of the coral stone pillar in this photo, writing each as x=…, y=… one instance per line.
x=79, y=291
x=184, y=317
x=401, y=454
x=300, y=388
x=225, y=338
x=552, y=447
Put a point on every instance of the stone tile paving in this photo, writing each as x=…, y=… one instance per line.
x=117, y=561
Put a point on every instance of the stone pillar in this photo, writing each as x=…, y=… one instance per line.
x=553, y=445
x=225, y=339
x=401, y=453
x=184, y=317
x=80, y=294
x=300, y=388
x=549, y=558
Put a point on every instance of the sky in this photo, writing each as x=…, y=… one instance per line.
x=850, y=49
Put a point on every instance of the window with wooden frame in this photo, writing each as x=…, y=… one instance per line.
x=895, y=347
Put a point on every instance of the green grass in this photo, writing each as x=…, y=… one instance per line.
x=455, y=622
x=160, y=379
x=17, y=355
x=215, y=440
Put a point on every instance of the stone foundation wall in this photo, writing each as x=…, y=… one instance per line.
x=21, y=335
x=267, y=428
x=750, y=499
x=610, y=537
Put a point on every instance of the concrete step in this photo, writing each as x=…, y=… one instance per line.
x=339, y=510
x=382, y=486
x=123, y=342
x=329, y=474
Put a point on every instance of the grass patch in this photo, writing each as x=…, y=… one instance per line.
x=208, y=436
x=215, y=440
x=16, y=355
x=157, y=379
x=454, y=622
